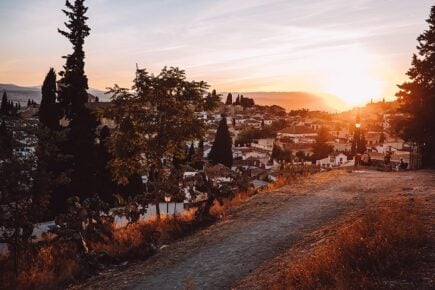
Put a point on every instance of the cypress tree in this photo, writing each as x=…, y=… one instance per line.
x=191, y=152
x=221, y=151
x=229, y=99
x=4, y=104
x=48, y=115
x=5, y=142
x=72, y=98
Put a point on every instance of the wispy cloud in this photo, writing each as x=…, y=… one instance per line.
x=251, y=45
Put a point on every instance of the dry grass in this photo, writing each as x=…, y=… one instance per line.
x=54, y=264
x=138, y=240
x=379, y=244
x=49, y=265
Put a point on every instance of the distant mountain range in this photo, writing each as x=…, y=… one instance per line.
x=287, y=100
x=22, y=94
x=298, y=100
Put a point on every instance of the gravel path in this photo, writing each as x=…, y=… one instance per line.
x=258, y=230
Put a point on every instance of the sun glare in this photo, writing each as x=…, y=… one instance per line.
x=351, y=78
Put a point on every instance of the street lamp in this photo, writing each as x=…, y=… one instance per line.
x=167, y=200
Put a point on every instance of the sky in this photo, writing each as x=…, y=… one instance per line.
x=354, y=49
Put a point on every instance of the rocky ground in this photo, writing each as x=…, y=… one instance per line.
x=254, y=240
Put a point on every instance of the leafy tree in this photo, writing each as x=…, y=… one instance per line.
x=279, y=154
x=221, y=151
x=72, y=98
x=229, y=99
x=48, y=111
x=246, y=102
x=301, y=156
x=212, y=101
x=417, y=96
x=20, y=206
x=154, y=120
x=248, y=135
x=321, y=149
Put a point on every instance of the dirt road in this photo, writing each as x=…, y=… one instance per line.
x=260, y=229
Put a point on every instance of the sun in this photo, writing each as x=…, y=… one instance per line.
x=351, y=79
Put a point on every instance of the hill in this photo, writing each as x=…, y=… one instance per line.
x=22, y=93
x=298, y=100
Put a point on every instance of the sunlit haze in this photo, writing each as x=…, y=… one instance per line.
x=357, y=50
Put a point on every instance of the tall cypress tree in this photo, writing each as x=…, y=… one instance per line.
x=4, y=107
x=229, y=99
x=417, y=96
x=221, y=151
x=48, y=114
x=72, y=98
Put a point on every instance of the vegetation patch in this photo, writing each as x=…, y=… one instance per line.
x=381, y=243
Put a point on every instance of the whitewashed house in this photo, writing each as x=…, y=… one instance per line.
x=333, y=160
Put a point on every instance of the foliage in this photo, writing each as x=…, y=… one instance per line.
x=155, y=121
x=72, y=97
x=417, y=96
x=279, y=154
x=212, y=101
x=321, y=149
x=20, y=205
x=385, y=240
x=229, y=100
x=248, y=135
x=221, y=151
x=48, y=111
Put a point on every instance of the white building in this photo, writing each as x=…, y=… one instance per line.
x=333, y=160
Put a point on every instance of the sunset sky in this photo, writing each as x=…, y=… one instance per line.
x=357, y=49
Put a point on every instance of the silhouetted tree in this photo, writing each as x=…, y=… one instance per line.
x=72, y=98
x=221, y=151
x=48, y=111
x=229, y=99
x=191, y=152
x=4, y=107
x=321, y=149
x=5, y=141
x=212, y=101
x=417, y=96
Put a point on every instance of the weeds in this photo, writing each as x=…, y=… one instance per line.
x=376, y=245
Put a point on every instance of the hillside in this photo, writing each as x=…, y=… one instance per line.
x=22, y=93
x=242, y=249
x=299, y=100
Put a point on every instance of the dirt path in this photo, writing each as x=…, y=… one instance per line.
x=259, y=230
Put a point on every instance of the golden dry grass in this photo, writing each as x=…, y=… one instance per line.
x=378, y=244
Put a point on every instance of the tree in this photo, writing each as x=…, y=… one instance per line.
x=417, y=96
x=191, y=152
x=154, y=122
x=229, y=99
x=20, y=206
x=248, y=135
x=5, y=141
x=48, y=114
x=212, y=101
x=237, y=102
x=72, y=97
x=221, y=151
x=321, y=149
x=4, y=107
